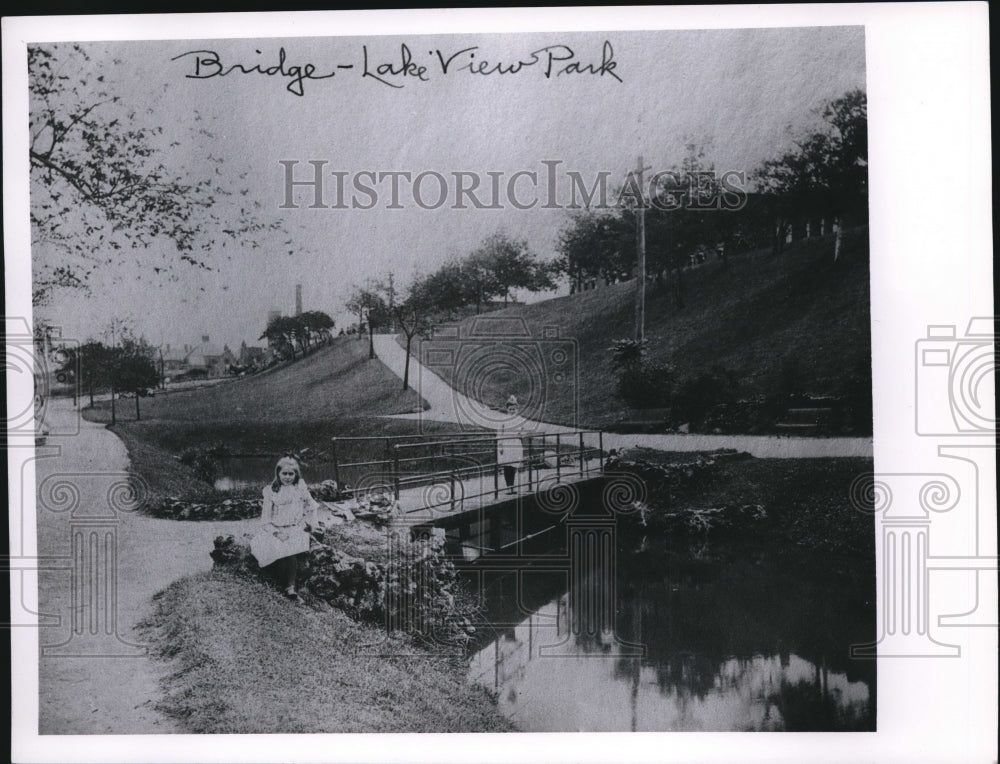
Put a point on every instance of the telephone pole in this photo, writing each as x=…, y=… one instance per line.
x=640, y=260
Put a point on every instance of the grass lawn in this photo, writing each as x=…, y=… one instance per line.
x=797, y=318
x=336, y=381
x=336, y=392
x=246, y=660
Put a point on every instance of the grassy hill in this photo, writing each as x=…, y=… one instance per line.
x=336, y=391
x=797, y=322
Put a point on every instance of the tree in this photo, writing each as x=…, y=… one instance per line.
x=90, y=361
x=317, y=326
x=281, y=333
x=103, y=184
x=477, y=281
x=826, y=171
x=448, y=290
x=595, y=245
x=509, y=264
x=413, y=313
x=133, y=369
x=371, y=307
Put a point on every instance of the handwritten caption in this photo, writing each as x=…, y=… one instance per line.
x=404, y=66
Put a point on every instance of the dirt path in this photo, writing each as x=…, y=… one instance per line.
x=448, y=405
x=95, y=676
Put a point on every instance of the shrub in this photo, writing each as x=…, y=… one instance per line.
x=206, y=462
x=696, y=396
x=640, y=384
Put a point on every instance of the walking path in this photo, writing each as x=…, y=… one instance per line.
x=100, y=683
x=449, y=405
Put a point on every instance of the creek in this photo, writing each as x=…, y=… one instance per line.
x=712, y=635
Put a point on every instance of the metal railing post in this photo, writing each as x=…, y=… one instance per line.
x=581, y=453
x=336, y=465
x=496, y=468
x=558, y=460
x=530, y=440
x=395, y=470
x=451, y=480
x=600, y=447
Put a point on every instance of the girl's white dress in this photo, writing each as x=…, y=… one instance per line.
x=282, y=532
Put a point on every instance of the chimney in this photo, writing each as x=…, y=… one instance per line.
x=204, y=339
x=298, y=299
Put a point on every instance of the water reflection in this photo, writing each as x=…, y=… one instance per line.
x=734, y=637
x=241, y=472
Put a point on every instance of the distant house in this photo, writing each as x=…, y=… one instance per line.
x=203, y=360
x=210, y=357
x=175, y=360
x=251, y=356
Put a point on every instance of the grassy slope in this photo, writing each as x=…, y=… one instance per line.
x=337, y=391
x=246, y=660
x=336, y=381
x=753, y=317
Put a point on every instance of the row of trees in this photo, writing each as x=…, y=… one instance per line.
x=495, y=269
x=823, y=175
x=305, y=331
x=126, y=366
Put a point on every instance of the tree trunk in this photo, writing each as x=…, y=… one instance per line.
x=406, y=368
x=91, y=394
x=113, y=422
x=371, y=341
x=137, y=416
x=836, y=240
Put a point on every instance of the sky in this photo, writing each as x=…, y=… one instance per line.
x=743, y=94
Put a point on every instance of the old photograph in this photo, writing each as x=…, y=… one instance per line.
x=463, y=381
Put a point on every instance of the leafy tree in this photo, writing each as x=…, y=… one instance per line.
x=826, y=171
x=595, y=245
x=90, y=361
x=448, y=290
x=102, y=184
x=413, y=314
x=509, y=264
x=371, y=307
x=317, y=326
x=478, y=279
x=134, y=369
x=281, y=333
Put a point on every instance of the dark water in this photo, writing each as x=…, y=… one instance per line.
x=732, y=635
x=257, y=471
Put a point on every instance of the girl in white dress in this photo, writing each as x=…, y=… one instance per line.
x=289, y=513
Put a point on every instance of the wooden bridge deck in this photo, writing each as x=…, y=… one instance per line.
x=433, y=502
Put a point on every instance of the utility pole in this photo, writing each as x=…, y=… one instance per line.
x=112, y=364
x=640, y=260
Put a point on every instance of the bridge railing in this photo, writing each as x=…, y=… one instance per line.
x=450, y=461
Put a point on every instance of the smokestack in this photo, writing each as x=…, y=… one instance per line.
x=298, y=299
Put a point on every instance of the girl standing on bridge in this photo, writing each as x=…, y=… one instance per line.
x=288, y=515
x=510, y=454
